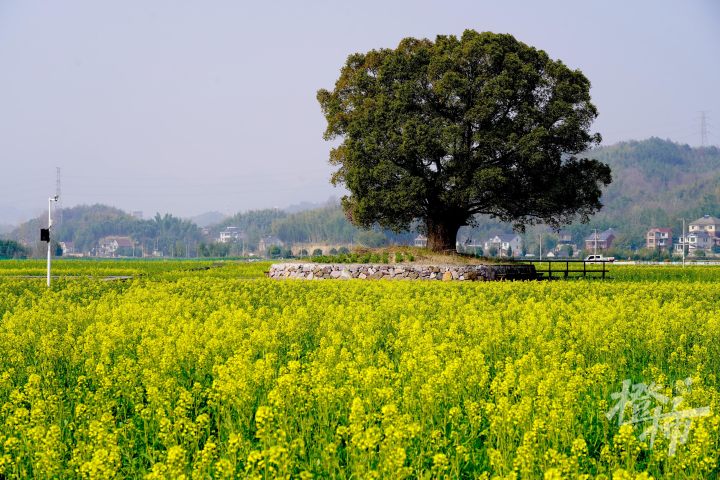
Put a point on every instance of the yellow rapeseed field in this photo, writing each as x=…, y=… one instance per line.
x=191, y=373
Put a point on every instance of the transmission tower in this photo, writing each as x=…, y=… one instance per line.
x=703, y=128
x=58, y=204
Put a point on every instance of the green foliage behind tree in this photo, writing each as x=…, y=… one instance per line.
x=254, y=224
x=324, y=225
x=656, y=183
x=85, y=225
x=214, y=250
x=12, y=249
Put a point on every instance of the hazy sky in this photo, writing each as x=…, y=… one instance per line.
x=190, y=106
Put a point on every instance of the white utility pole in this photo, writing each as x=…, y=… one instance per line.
x=595, y=246
x=50, y=200
x=541, y=246
x=684, y=241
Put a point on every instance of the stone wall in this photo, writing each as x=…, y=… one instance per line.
x=318, y=271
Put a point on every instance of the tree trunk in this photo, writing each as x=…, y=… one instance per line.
x=442, y=234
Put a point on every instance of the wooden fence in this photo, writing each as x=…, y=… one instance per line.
x=569, y=268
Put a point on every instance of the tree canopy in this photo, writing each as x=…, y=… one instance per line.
x=85, y=225
x=12, y=249
x=441, y=131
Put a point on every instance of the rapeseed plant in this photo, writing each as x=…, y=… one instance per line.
x=185, y=374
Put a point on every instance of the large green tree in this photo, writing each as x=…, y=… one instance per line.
x=441, y=131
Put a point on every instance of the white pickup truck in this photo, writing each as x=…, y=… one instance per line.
x=599, y=258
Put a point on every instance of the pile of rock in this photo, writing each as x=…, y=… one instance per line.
x=318, y=271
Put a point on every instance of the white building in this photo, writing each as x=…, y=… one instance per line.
x=505, y=244
x=707, y=224
x=697, y=242
x=230, y=235
x=109, y=246
x=703, y=234
x=420, y=241
x=267, y=242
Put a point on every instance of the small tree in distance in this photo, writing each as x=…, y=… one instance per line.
x=441, y=131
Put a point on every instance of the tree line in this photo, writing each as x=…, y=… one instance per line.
x=85, y=225
x=656, y=183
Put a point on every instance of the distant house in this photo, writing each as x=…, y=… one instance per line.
x=420, y=241
x=230, y=235
x=600, y=240
x=703, y=234
x=698, y=242
x=113, y=246
x=469, y=244
x=564, y=237
x=505, y=244
x=472, y=242
x=68, y=248
x=267, y=242
x=565, y=246
x=659, y=239
x=706, y=223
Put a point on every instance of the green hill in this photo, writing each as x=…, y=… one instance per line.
x=656, y=183
x=85, y=225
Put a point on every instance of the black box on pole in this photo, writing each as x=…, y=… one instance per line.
x=44, y=234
